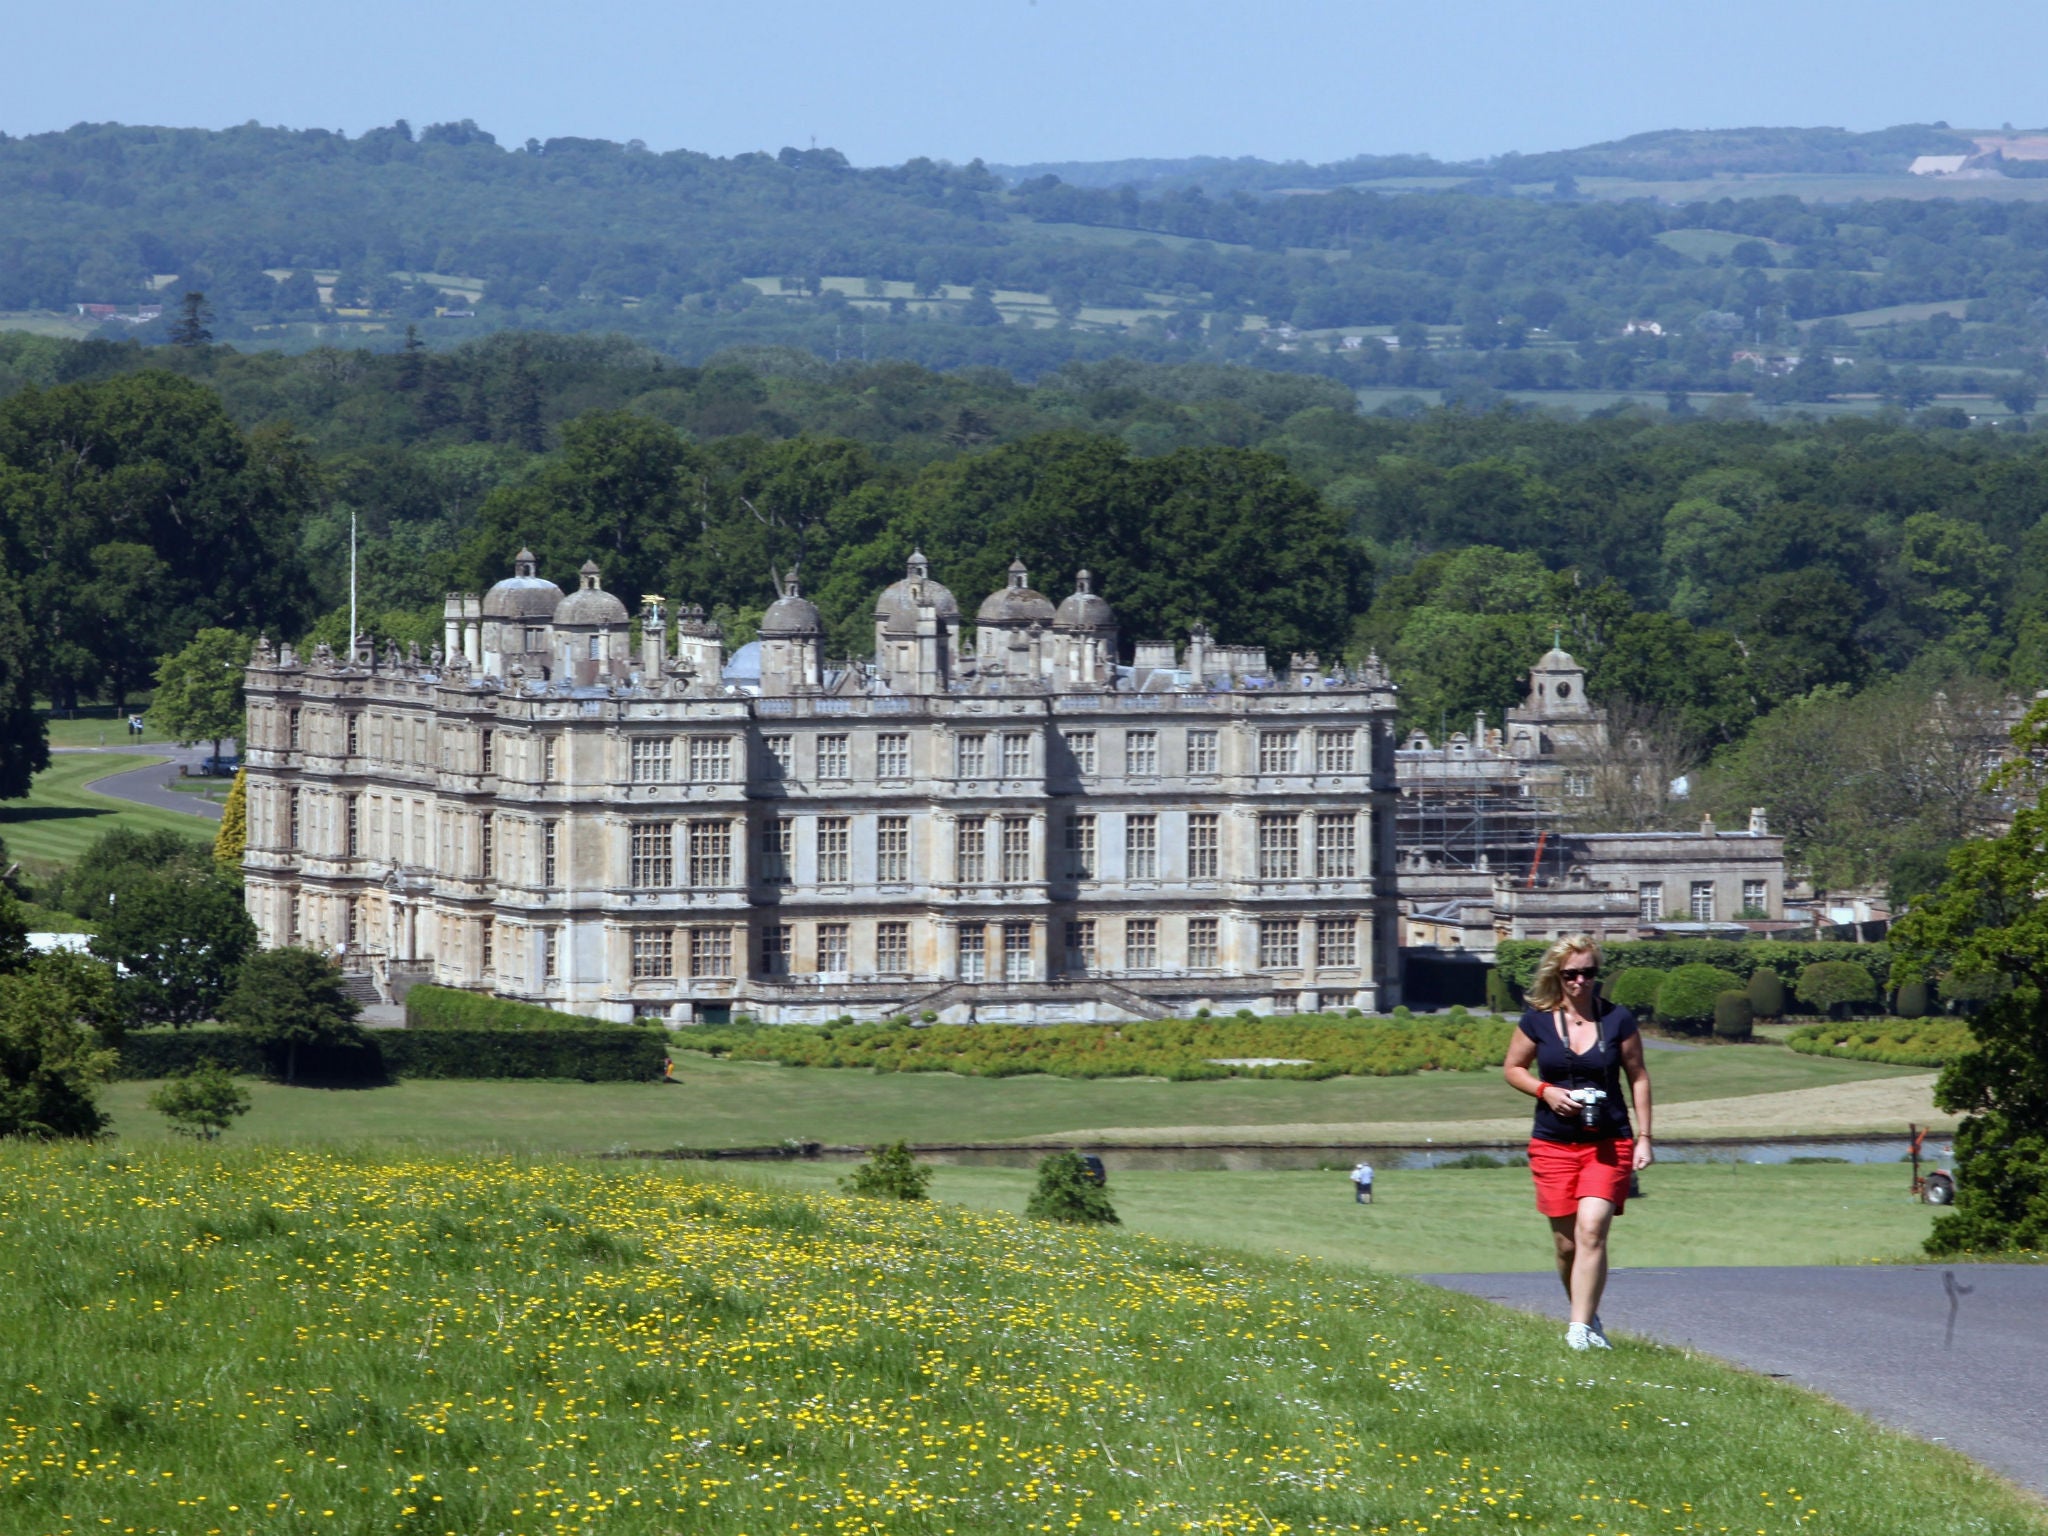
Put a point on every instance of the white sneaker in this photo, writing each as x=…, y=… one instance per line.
x=1578, y=1336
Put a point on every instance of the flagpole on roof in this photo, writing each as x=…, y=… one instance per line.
x=351, y=586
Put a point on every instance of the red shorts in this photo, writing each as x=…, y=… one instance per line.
x=1568, y=1171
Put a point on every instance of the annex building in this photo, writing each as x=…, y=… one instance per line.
x=615, y=816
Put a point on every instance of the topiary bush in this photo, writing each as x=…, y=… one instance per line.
x=1500, y=997
x=1636, y=990
x=1688, y=994
x=1911, y=1003
x=1828, y=985
x=890, y=1173
x=1734, y=1015
x=1766, y=994
x=1066, y=1193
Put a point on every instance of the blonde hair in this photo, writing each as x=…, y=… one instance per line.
x=1547, y=990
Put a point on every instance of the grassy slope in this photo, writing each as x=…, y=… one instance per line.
x=59, y=817
x=1483, y=1220
x=261, y=1342
x=725, y=1104
x=99, y=725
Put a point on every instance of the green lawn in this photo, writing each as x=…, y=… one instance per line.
x=100, y=725
x=737, y=1104
x=59, y=817
x=1483, y=1220
x=254, y=1340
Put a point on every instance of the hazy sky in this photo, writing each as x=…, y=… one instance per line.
x=1020, y=80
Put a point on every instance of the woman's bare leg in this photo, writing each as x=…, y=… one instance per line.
x=1589, y=1257
x=1562, y=1229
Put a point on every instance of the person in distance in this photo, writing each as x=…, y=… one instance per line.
x=1571, y=1053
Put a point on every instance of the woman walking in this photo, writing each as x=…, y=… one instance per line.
x=1583, y=1149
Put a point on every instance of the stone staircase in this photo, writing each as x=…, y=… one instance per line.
x=361, y=986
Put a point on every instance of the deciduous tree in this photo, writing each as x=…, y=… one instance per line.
x=199, y=694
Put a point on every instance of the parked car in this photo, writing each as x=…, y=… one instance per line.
x=223, y=767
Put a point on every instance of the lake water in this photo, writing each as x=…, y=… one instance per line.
x=1888, y=1149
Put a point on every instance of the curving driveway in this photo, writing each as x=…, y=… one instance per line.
x=1954, y=1353
x=151, y=786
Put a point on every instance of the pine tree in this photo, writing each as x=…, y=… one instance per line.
x=190, y=329
x=520, y=422
x=233, y=837
x=411, y=365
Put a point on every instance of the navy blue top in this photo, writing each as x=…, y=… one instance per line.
x=1600, y=1067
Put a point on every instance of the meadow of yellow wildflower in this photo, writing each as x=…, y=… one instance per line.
x=202, y=1342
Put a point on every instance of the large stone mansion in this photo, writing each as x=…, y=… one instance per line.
x=619, y=818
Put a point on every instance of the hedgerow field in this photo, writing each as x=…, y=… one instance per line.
x=1308, y=1046
x=260, y=1342
x=1899, y=1042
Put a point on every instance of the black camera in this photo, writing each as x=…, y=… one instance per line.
x=1588, y=1100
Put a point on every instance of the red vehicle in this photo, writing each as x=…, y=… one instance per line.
x=1937, y=1187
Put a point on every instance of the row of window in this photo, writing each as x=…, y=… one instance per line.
x=1333, y=856
x=1650, y=900
x=998, y=849
x=985, y=951
x=1336, y=944
x=714, y=759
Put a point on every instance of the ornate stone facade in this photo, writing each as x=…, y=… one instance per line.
x=619, y=819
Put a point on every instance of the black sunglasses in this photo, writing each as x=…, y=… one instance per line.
x=1580, y=972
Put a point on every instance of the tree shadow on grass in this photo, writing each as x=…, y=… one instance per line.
x=11, y=816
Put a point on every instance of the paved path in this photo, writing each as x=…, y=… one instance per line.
x=1957, y=1354
x=151, y=786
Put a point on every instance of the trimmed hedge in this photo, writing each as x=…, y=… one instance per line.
x=151, y=1053
x=1734, y=1016
x=1517, y=958
x=1766, y=995
x=1689, y=993
x=594, y=1054
x=1183, y=1050
x=1636, y=990
x=449, y=1008
x=1828, y=984
x=1903, y=1042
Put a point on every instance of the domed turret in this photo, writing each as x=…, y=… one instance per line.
x=1556, y=719
x=1082, y=609
x=516, y=615
x=522, y=596
x=792, y=613
x=896, y=609
x=590, y=639
x=1016, y=605
x=1084, y=638
x=792, y=638
x=917, y=628
x=590, y=603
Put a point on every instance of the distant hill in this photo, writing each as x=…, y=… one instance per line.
x=1402, y=272
x=1672, y=154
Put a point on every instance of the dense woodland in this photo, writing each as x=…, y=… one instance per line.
x=285, y=231
x=1792, y=602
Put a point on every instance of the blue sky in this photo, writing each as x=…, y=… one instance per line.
x=1020, y=80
